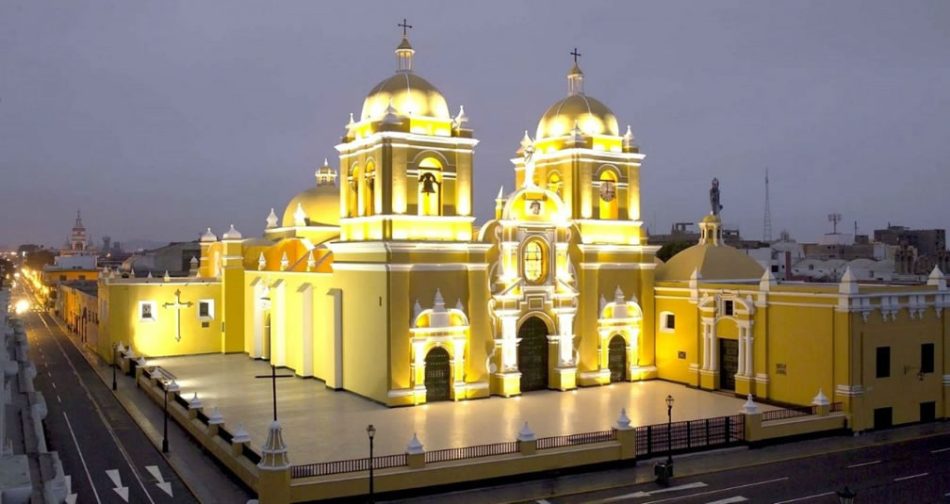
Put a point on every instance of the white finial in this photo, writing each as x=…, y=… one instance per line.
x=526, y=141
x=284, y=262
x=326, y=162
x=848, y=284
x=618, y=295
x=623, y=421
x=194, y=403
x=438, y=302
x=300, y=217
x=271, y=219
x=391, y=115
x=459, y=306
x=208, y=236
x=167, y=277
x=311, y=262
x=461, y=118
x=576, y=134
x=240, y=435
x=193, y=262
x=215, y=418
x=820, y=399
x=937, y=279
x=414, y=447
x=232, y=234
x=352, y=122
x=525, y=434
x=501, y=193
x=149, y=276
x=603, y=303
x=261, y=262
x=767, y=280
x=628, y=137
x=749, y=407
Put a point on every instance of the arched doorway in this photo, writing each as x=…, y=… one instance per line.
x=437, y=375
x=533, y=354
x=265, y=352
x=617, y=359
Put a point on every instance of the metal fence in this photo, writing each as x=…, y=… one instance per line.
x=690, y=435
x=345, y=466
x=487, y=450
x=576, y=439
x=788, y=412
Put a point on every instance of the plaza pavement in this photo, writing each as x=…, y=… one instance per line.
x=323, y=425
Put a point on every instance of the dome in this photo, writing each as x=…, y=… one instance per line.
x=409, y=93
x=319, y=205
x=715, y=263
x=590, y=114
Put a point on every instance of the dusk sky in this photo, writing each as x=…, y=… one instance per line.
x=159, y=119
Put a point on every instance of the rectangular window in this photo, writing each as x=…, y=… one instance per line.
x=667, y=321
x=883, y=368
x=147, y=310
x=206, y=309
x=927, y=358
x=727, y=308
x=883, y=418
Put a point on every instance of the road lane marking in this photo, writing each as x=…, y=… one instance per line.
x=49, y=374
x=807, y=497
x=634, y=495
x=82, y=459
x=710, y=492
x=58, y=399
x=862, y=464
x=54, y=384
x=123, y=491
x=166, y=486
x=912, y=476
x=102, y=417
x=940, y=450
x=730, y=500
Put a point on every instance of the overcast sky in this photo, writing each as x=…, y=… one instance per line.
x=159, y=119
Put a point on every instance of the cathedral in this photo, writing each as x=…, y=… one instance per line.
x=378, y=281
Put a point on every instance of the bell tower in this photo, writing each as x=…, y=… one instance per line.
x=406, y=164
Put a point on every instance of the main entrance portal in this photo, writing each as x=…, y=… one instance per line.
x=728, y=363
x=437, y=375
x=533, y=354
x=617, y=359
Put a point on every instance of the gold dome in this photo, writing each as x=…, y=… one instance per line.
x=590, y=114
x=713, y=262
x=410, y=95
x=320, y=205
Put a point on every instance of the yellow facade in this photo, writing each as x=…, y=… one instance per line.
x=377, y=281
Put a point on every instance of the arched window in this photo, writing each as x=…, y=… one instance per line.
x=533, y=262
x=555, y=183
x=429, y=187
x=368, y=190
x=352, y=191
x=608, y=195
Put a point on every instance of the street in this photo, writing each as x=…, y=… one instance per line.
x=105, y=455
x=913, y=471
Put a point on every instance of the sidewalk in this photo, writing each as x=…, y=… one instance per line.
x=203, y=475
x=686, y=465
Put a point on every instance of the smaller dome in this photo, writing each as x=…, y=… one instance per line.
x=591, y=116
x=720, y=263
x=231, y=234
x=208, y=236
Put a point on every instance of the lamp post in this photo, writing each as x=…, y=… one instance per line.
x=664, y=471
x=669, y=431
x=115, y=350
x=169, y=387
x=371, y=432
x=846, y=496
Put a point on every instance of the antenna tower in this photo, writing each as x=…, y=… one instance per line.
x=767, y=221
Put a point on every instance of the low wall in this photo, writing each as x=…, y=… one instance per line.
x=232, y=452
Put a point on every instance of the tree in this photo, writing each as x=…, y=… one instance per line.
x=671, y=249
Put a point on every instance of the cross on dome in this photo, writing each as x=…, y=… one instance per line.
x=576, y=55
x=405, y=27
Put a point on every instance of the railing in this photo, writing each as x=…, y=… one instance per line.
x=836, y=407
x=690, y=435
x=468, y=452
x=788, y=412
x=251, y=455
x=346, y=466
x=225, y=435
x=576, y=439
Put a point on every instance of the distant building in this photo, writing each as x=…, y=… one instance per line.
x=175, y=258
x=917, y=251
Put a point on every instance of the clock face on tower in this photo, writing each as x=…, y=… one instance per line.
x=607, y=191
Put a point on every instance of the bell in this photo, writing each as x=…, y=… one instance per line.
x=428, y=183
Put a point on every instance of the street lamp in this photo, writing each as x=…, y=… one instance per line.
x=846, y=496
x=371, y=432
x=115, y=349
x=169, y=387
x=664, y=471
x=669, y=430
